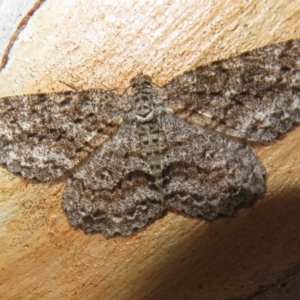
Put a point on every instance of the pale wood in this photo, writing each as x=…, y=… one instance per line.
x=103, y=45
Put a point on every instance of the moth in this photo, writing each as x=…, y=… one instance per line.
x=182, y=147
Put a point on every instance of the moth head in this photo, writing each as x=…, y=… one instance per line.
x=141, y=80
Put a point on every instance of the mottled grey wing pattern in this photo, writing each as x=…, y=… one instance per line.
x=206, y=174
x=114, y=192
x=254, y=96
x=156, y=161
x=44, y=135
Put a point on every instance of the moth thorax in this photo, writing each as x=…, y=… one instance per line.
x=140, y=81
x=143, y=102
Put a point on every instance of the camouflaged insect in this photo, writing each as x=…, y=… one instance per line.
x=181, y=147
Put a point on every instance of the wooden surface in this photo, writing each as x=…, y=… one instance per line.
x=103, y=45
